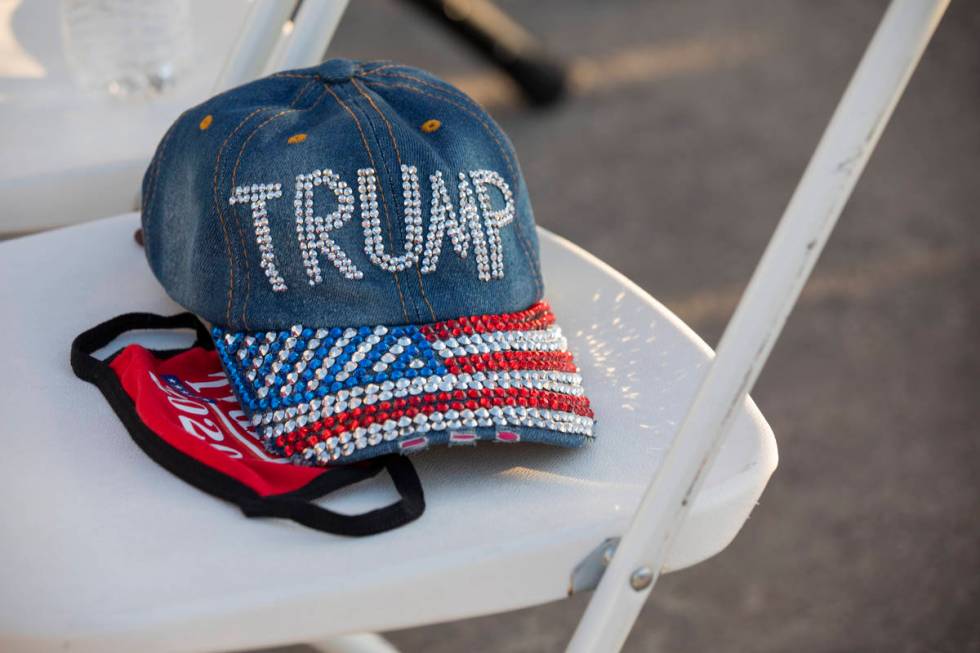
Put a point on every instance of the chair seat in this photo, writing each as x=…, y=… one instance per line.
x=104, y=550
x=72, y=155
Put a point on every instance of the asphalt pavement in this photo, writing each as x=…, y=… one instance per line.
x=687, y=130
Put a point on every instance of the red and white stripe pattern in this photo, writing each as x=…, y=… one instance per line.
x=502, y=372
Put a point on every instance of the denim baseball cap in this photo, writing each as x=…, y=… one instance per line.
x=359, y=236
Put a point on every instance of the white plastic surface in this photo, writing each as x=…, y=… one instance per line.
x=68, y=155
x=103, y=550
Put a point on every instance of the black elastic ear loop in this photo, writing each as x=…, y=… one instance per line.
x=408, y=508
x=293, y=505
x=89, y=368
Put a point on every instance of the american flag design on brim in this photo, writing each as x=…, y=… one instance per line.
x=327, y=395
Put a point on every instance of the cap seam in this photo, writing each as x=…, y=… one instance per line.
x=241, y=229
x=218, y=205
x=150, y=188
x=367, y=149
x=382, y=65
x=398, y=156
x=388, y=224
x=302, y=92
x=524, y=244
x=462, y=97
x=234, y=178
x=442, y=88
x=156, y=165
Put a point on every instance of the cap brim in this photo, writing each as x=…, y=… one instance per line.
x=338, y=395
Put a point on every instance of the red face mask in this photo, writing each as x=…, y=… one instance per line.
x=179, y=408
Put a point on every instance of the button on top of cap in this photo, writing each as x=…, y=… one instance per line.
x=337, y=70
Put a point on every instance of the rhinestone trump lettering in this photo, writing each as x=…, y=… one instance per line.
x=474, y=221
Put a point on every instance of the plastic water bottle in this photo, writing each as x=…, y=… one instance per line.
x=126, y=47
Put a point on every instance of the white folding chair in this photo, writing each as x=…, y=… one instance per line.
x=94, y=149
x=105, y=551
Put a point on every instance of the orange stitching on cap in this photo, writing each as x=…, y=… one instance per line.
x=525, y=246
x=238, y=161
x=296, y=138
x=442, y=88
x=384, y=201
x=394, y=142
x=205, y=122
x=234, y=178
x=455, y=102
x=430, y=126
x=367, y=149
x=158, y=158
x=241, y=228
x=384, y=66
x=218, y=206
x=391, y=134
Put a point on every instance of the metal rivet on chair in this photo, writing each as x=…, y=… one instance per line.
x=641, y=578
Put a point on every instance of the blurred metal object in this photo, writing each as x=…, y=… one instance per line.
x=313, y=28
x=806, y=224
x=490, y=31
x=262, y=31
x=641, y=578
x=587, y=573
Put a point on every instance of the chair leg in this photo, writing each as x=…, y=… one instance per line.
x=359, y=643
